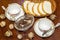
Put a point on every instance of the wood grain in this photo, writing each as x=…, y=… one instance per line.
x=55, y=36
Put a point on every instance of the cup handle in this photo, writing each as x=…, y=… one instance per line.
x=57, y=25
x=3, y=8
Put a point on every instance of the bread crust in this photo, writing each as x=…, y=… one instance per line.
x=42, y=15
x=44, y=10
x=25, y=9
x=53, y=5
x=35, y=7
x=30, y=8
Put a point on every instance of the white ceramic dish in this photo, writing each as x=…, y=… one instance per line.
x=39, y=33
x=13, y=9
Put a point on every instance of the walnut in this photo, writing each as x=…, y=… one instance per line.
x=2, y=16
x=3, y=23
x=19, y=36
x=26, y=39
x=52, y=17
x=8, y=33
x=11, y=26
x=31, y=35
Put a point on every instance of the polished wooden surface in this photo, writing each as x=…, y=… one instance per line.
x=55, y=36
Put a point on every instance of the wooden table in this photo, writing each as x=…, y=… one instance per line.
x=55, y=36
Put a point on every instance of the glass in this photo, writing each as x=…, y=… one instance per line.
x=24, y=22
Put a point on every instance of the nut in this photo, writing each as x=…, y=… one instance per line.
x=0, y=24
x=8, y=33
x=52, y=17
x=11, y=26
x=26, y=39
x=2, y=16
x=19, y=36
x=3, y=23
x=31, y=35
x=29, y=21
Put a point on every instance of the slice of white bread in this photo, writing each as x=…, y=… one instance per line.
x=35, y=9
x=25, y=6
x=53, y=3
x=47, y=7
x=41, y=9
x=30, y=8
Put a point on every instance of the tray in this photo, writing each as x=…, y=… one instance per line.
x=55, y=36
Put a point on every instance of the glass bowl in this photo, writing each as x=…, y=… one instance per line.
x=24, y=22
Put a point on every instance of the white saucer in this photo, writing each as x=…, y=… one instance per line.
x=39, y=33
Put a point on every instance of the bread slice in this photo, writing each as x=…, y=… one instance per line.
x=30, y=8
x=41, y=10
x=47, y=7
x=25, y=6
x=53, y=5
x=35, y=9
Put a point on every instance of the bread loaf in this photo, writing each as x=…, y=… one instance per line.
x=41, y=9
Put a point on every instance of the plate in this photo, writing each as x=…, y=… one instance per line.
x=39, y=33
